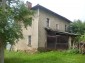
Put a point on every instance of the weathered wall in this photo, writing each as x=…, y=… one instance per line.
x=53, y=21
x=38, y=32
x=31, y=30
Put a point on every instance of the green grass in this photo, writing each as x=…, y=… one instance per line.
x=47, y=57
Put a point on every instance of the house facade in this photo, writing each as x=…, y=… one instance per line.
x=47, y=32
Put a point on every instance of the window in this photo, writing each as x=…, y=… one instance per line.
x=65, y=27
x=57, y=27
x=47, y=22
x=29, y=40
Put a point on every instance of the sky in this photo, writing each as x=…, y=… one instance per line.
x=71, y=9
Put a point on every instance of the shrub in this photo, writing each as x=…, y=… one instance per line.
x=73, y=51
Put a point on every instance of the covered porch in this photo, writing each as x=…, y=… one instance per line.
x=59, y=40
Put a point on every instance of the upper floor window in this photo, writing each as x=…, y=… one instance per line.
x=57, y=27
x=29, y=40
x=47, y=22
x=65, y=27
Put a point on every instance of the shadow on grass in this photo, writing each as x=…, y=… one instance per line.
x=35, y=60
x=13, y=60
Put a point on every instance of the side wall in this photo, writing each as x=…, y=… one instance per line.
x=31, y=30
x=53, y=21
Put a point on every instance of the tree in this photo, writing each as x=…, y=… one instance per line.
x=13, y=15
x=77, y=27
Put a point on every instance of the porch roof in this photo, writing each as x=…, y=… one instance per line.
x=56, y=32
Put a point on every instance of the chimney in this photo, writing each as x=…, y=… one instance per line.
x=29, y=4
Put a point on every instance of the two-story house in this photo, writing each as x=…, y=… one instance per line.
x=47, y=32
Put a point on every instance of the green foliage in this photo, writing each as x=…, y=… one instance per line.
x=77, y=27
x=47, y=57
x=12, y=18
x=73, y=51
x=77, y=39
x=82, y=38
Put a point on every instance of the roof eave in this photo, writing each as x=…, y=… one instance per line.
x=39, y=6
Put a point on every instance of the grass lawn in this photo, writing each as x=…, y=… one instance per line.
x=47, y=57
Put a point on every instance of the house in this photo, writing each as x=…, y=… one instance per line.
x=47, y=32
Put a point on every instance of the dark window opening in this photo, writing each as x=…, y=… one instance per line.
x=65, y=27
x=29, y=40
x=57, y=27
x=48, y=23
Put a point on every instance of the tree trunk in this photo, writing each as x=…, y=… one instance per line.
x=1, y=52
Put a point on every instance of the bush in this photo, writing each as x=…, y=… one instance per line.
x=73, y=51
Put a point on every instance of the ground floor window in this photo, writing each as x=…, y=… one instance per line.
x=29, y=40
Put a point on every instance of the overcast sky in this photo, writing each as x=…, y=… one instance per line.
x=71, y=9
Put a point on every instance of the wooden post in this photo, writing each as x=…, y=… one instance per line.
x=73, y=45
x=56, y=41
x=46, y=40
x=69, y=42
